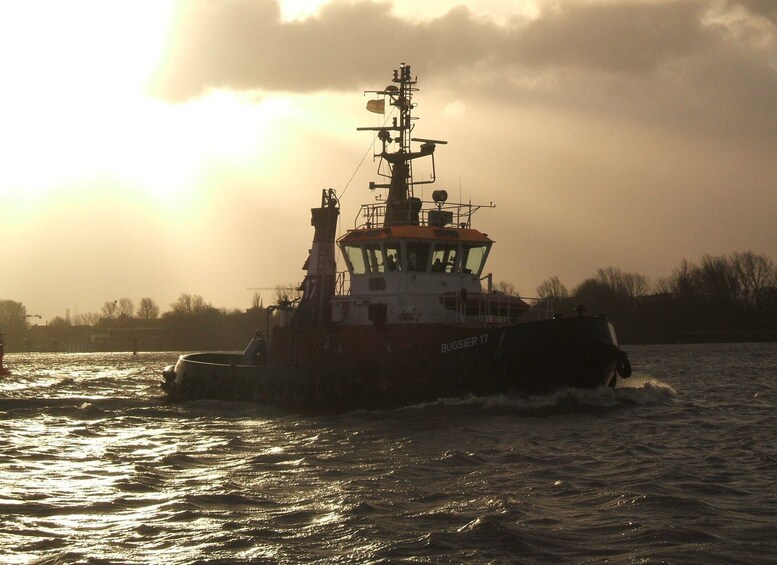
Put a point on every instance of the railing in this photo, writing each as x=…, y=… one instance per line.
x=342, y=283
x=497, y=308
x=544, y=307
x=371, y=215
x=485, y=310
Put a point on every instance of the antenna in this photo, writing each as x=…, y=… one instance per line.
x=436, y=141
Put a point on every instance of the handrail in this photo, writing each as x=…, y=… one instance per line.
x=494, y=309
x=341, y=281
x=371, y=214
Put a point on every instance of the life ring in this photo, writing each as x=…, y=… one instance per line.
x=623, y=368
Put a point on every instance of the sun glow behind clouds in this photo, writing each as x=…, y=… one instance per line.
x=168, y=152
x=299, y=9
x=74, y=74
x=78, y=125
x=499, y=11
x=90, y=45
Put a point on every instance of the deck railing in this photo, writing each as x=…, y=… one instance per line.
x=494, y=309
x=342, y=283
x=372, y=215
x=497, y=308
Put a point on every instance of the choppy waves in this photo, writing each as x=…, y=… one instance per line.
x=674, y=465
x=638, y=390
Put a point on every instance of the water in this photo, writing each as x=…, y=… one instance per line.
x=677, y=465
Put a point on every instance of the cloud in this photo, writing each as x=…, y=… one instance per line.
x=709, y=64
x=764, y=8
x=625, y=37
x=244, y=44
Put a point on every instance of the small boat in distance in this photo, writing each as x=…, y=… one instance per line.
x=3, y=370
x=413, y=318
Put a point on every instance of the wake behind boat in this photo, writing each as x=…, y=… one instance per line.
x=413, y=318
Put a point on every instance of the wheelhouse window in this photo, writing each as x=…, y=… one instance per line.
x=417, y=256
x=444, y=258
x=354, y=256
x=474, y=257
x=393, y=257
x=374, y=257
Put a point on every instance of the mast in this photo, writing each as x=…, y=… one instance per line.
x=402, y=207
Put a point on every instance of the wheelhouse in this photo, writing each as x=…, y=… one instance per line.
x=415, y=249
x=410, y=273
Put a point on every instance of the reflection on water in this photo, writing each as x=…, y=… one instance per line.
x=676, y=464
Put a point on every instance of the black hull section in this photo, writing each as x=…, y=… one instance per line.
x=536, y=357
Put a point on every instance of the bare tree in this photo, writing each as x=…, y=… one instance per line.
x=86, y=319
x=623, y=284
x=505, y=288
x=183, y=305
x=256, y=301
x=59, y=328
x=684, y=280
x=148, y=309
x=13, y=318
x=110, y=310
x=126, y=307
x=553, y=288
x=636, y=285
x=757, y=276
x=286, y=292
x=199, y=305
x=189, y=304
x=12, y=313
x=744, y=277
x=719, y=279
x=663, y=285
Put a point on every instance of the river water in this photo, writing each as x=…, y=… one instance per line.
x=677, y=465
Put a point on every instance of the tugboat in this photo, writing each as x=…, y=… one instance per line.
x=413, y=318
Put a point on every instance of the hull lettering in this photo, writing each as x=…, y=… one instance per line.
x=464, y=343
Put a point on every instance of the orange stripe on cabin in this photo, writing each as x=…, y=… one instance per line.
x=415, y=232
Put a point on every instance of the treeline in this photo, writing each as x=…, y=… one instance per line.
x=720, y=298
x=191, y=323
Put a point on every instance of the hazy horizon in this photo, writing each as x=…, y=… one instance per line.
x=153, y=148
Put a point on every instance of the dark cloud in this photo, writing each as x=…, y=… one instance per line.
x=243, y=44
x=765, y=8
x=631, y=37
x=665, y=59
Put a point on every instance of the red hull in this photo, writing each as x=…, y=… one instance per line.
x=315, y=371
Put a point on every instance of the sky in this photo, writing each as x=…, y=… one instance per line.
x=154, y=147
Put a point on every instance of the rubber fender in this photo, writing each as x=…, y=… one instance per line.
x=623, y=368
